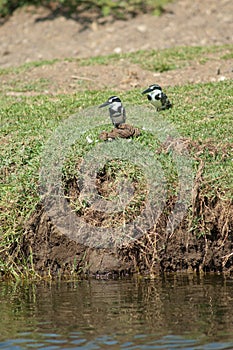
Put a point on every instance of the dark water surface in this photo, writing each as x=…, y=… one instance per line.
x=173, y=312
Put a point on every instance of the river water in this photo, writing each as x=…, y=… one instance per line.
x=170, y=312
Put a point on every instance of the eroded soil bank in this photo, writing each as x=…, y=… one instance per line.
x=56, y=254
x=203, y=241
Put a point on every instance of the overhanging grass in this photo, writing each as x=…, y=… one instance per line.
x=201, y=112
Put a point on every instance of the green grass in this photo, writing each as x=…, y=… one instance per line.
x=162, y=60
x=38, y=85
x=27, y=66
x=201, y=112
x=152, y=60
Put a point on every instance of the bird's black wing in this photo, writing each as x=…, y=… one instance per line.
x=166, y=104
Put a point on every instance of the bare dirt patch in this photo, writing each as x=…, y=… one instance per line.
x=34, y=34
x=121, y=76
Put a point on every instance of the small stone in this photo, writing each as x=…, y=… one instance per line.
x=117, y=50
x=222, y=78
x=142, y=28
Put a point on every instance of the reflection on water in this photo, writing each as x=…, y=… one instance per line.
x=173, y=312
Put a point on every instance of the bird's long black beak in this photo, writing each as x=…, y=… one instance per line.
x=104, y=104
x=146, y=91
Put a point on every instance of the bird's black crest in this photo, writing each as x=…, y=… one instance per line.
x=152, y=88
x=155, y=87
x=114, y=99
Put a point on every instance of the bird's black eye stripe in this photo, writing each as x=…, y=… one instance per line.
x=149, y=97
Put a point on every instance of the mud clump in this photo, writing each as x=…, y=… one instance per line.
x=123, y=131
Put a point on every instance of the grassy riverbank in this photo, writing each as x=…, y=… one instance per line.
x=30, y=113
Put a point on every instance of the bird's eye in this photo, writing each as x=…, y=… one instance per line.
x=149, y=97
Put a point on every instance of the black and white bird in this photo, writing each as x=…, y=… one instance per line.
x=157, y=97
x=116, y=110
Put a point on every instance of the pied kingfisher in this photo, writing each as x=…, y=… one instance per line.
x=116, y=110
x=157, y=97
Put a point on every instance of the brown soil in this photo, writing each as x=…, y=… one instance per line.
x=35, y=34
